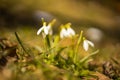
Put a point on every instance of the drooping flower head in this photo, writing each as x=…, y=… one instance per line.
x=70, y=31
x=46, y=29
x=66, y=31
x=63, y=32
x=87, y=43
x=42, y=29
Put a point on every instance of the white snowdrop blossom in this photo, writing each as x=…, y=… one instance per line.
x=46, y=29
x=70, y=31
x=66, y=31
x=86, y=44
x=43, y=29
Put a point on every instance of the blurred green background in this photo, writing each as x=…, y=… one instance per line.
x=100, y=19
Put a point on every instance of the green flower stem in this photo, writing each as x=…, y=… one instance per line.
x=47, y=41
x=77, y=46
x=79, y=40
x=49, y=54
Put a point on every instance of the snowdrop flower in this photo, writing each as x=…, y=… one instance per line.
x=43, y=29
x=86, y=44
x=70, y=31
x=66, y=31
x=46, y=29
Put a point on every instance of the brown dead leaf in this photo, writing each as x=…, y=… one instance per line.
x=101, y=76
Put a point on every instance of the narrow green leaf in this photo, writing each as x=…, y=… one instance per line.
x=87, y=57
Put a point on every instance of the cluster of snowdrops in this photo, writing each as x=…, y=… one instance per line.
x=66, y=31
x=66, y=57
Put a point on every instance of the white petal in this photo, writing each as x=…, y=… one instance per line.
x=90, y=43
x=85, y=45
x=63, y=33
x=40, y=30
x=49, y=30
x=71, y=32
x=46, y=30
